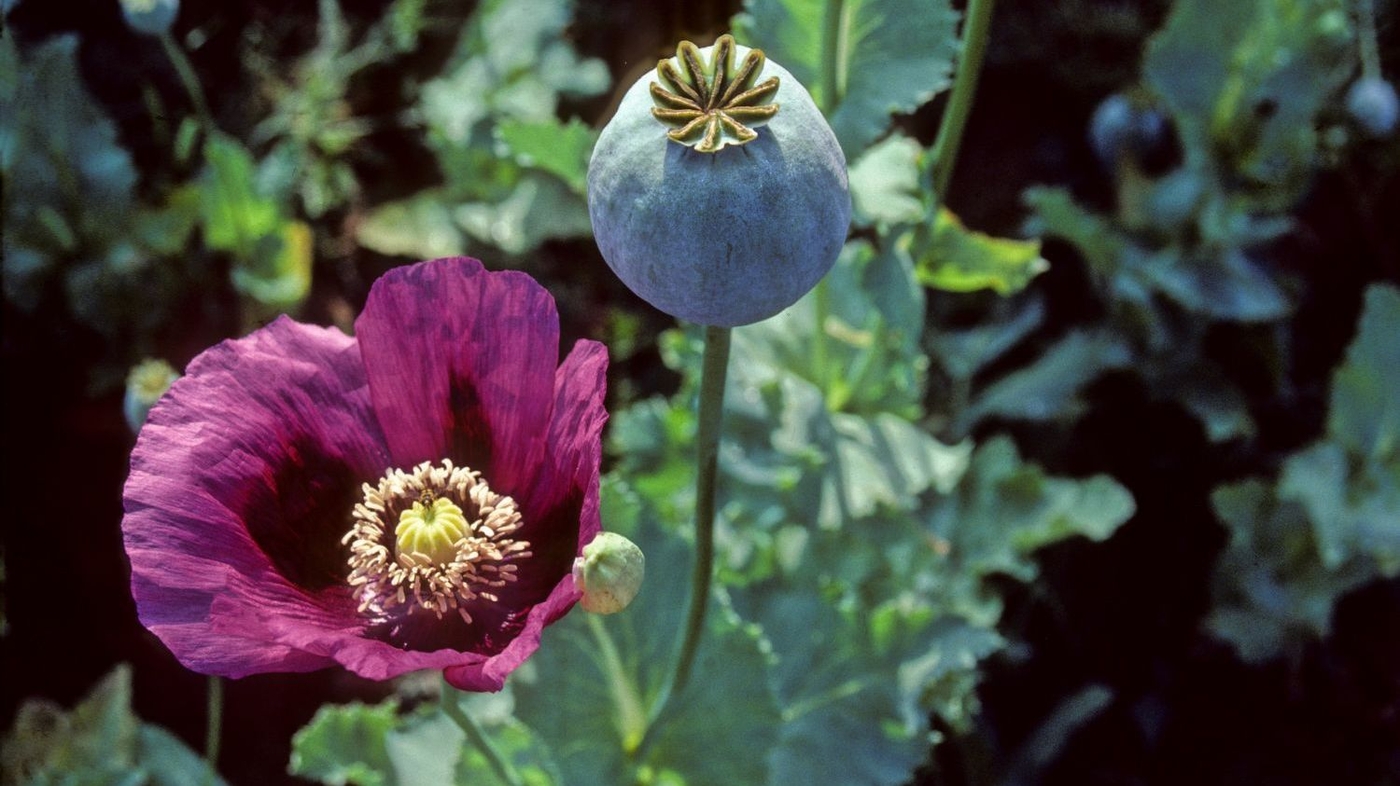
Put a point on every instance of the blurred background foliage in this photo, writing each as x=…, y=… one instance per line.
x=1087, y=470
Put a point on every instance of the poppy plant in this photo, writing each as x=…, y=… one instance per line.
x=410, y=498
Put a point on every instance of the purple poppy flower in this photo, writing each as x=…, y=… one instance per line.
x=410, y=498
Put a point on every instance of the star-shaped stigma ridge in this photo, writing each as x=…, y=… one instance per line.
x=709, y=108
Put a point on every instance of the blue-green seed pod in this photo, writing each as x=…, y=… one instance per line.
x=718, y=192
x=151, y=17
x=1373, y=105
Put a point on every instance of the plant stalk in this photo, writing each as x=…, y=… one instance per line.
x=477, y=737
x=1366, y=36
x=184, y=69
x=976, y=26
x=713, y=370
x=213, y=726
x=833, y=67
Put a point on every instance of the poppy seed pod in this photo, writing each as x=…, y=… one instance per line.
x=718, y=192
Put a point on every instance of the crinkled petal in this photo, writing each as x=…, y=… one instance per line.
x=489, y=674
x=184, y=621
x=575, y=430
x=325, y=627
x=561, y=509
x=242, y=478
x=461, y=362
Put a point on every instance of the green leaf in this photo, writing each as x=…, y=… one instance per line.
x=426, y=749
x=514, y=174
x=826, y=469
x=885, y=184
x=1055, y=213
x=375, y=745
x=834, y=684
x=346, y=744
x=99, y=742
x=963, y=353
x=1332, y=521
x=1245, y=83
x=886, y=461
x=279, y=275
x=1317, y=478
x=957, y=259
x=1005, y=509
x=236, y=216
x=1365, y=406
x=889, y=56
x=1271, y=591
x=272, y=255
x=420, y=227
x=1228, y=285
x=514, y=741
x=513, y=62
x=70, y=186
x=596, y=679
x=167, y=761
x=540, y=208
x=60, y=150
x=166, y=231
x=1048, y=388
x=855, y=337
x=561, y=149
x=1212, y=398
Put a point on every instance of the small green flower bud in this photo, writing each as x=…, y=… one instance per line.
x=151, y=17
x=609, y=573
x=145, y=384
x=718, y=192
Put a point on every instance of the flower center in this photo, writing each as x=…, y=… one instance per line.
x=430, y=532
x=451, y=545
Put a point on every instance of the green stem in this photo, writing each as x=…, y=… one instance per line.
x=477, y=737
x=188, y=78
x=1366, y=33
x=632, y=718
x=821, y=309
x=974, y=45
x=833, y=60
x=713, y=369
x=712, y=373
x=213, y=726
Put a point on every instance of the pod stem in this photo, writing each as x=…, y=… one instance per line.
x=713, y=370
x=1366, y=36
x=976, y=26
x=189, y=80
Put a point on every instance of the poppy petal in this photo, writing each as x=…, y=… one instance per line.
x=490, y=674
x=245, y=472
x=460, y=363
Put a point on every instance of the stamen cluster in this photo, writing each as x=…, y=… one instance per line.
x=388, y=579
